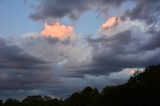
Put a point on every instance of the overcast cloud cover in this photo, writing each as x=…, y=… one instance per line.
x=36, y=64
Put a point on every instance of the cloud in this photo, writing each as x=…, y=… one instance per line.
x=20, y=70
x=67, y=56
x=71, y=84
x=129, y=44
x=58, y=30
x=13, y=57
x=57, y=9
x=111, y=22
x=116, y=25
x=147, y=10
x=75, y=63
x=34, y=71
x=100, y=53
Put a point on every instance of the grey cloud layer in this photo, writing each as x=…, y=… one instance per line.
x=19, y=70
x=13, y=57
x=74, y=64
x=147, y=10
x=59, y=9
x=130, y=48
x=70, y=8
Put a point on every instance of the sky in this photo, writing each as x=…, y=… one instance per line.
x=49, y=45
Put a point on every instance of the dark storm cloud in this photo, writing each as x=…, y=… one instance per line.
x=19, y=70
x=70, y=8
x=147, y=10
x=125, y=49
x=105, y=58
x=153, y=42
x=59, y=9
x=14, y=57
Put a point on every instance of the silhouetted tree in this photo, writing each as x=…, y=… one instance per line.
x=11, y=102
x=33, y=101
x=143, y=88
x=86, y=97
x=41, y=101
x=1, y=102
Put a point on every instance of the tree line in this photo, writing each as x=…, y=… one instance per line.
x=142, y=89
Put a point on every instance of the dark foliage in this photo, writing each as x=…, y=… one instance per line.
x=1, y=102
x=142, y=89
x=11, y=102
